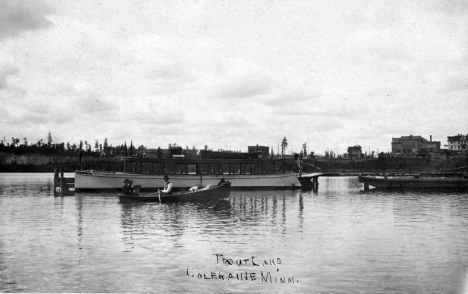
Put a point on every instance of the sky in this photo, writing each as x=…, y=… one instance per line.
x=232, y=74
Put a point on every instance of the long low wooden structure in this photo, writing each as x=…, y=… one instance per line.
x=415, y=182
x=185, y=173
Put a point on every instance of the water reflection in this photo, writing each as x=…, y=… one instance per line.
x=301, y=209
x=223, y=205
x=7, y=283
x=79, y=211
x=140, y=221
x=336, y=239
x=244, y=208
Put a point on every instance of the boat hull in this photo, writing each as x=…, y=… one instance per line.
x=213, y=195
x=415, y=182
x=106, y=180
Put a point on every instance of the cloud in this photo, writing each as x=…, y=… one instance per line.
x=19, y=16
x=293, y=99
x=202, y=74
x=457, y=84
x=93, y=103
x=5, y=73
x=453, y=7
x=241, y=79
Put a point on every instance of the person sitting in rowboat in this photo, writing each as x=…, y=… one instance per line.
x=221, y=182
x=126, y=187
x=134, y=190
x=167, y=186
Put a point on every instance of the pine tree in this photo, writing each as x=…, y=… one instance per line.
x=105, y=145
x=49, y=140
x=284, y=145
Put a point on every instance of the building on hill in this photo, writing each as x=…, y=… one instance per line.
x=457, y=143
x=411, y=146
x=355, y=152
x=264, y=152
x=176, y=151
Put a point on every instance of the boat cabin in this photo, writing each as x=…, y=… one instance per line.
x=202, y=166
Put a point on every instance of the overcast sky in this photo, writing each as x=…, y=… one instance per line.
x=229, y=74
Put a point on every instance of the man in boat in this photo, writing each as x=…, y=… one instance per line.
x=167, y=186
x=221, y=182
x=126, y=187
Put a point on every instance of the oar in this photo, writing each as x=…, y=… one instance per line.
x=153, y=194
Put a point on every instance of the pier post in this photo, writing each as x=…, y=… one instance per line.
x=62, y=182
x=315, y=183
x=56, y=174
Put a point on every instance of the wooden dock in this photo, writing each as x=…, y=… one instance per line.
x=63, y=186
x=310, y=180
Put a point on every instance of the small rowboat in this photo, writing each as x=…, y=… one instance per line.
x=211, y=195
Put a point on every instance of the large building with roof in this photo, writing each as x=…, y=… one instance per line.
x=263, y=151
x=414, y=145
x=457, y=143
x=355, y=152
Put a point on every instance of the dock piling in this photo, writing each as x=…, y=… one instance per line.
x=62, y=183
x=366, y=187
x=315, y=183
x=56, y=176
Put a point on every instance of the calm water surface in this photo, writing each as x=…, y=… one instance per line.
x=338, y=240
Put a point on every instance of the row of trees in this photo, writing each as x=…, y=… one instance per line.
x=84, y=147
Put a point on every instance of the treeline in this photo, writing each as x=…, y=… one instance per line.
x=83, y=148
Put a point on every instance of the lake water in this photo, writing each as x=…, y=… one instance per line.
x=337, y=240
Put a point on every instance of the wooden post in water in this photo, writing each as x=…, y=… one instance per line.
x=315, y=183
x=56, y=175
x=62, y=182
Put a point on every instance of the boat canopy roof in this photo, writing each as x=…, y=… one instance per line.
x=197, y=160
